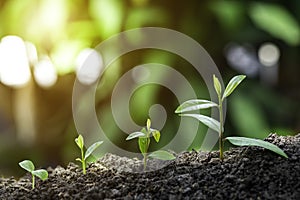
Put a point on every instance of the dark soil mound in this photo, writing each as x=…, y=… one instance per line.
x=246, y=173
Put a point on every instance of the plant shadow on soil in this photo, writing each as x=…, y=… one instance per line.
x=245, y=173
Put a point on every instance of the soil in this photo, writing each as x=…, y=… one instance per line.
x=245, y=173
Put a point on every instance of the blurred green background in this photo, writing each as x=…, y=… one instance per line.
x=257, y=38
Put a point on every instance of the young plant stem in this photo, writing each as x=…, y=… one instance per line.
x=145, y=154
x=83, y=162
x=221, y=143
x=33, y=181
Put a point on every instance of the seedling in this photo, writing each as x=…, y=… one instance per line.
x=29, y=166
x=84, y=155
x=218, y=126
x=144, y=142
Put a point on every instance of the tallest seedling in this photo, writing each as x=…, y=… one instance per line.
x=218, y=126
x=233, y=83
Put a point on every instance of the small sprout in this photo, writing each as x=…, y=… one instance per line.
x=29, y=166
x=218, y=126
x=144, y=142
x=80, y=143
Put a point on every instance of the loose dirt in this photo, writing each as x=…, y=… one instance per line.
x=245, y=173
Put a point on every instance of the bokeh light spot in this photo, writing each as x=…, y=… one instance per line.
x=268, y=54
x=45, y=74
x=14, y=64
x=88, y=66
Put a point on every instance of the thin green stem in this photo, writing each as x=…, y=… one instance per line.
x=33, y=181
x=147, y=143
x=221, y=143
x=83, y=162
x=83, y=166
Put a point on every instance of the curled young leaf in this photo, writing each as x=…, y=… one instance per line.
x=148, y=124
x=233, y=83
x=79, y=141
x=217, y=85
x=195, y=104
x=156, y=135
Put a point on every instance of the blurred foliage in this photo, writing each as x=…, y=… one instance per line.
x=277, y=21
x=60, y=29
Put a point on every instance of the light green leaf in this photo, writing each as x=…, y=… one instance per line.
x=243, y=141
x=151, y=130
x=41, y=173
x=276, y=20
x=195, y=104
x=156, y=135
x=208, y=121
x=78, y=159
x=144, y=144
x=148, y=124
x=79, y=141
x=136, y=135
x=145, y=131
x=27, y=165
x=162, y=155
x=217, y=85
x=92, y=148
x=233, y=83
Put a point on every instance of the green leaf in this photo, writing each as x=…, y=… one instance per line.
x=217, y=85
x=27, y=165
x=136, y=135
x=276, y=20
x=92, y=159
x=162, y=155
x=151, y=130
x=78, y=159
x=243, y=141
x=233, y=83
x=92, y=148
x=156, y=135
x=144, y=144
x=79, y=141
x=195, y=104
x=148, y=124
x=145, y=131
x=208, y=121
x=41, y=173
